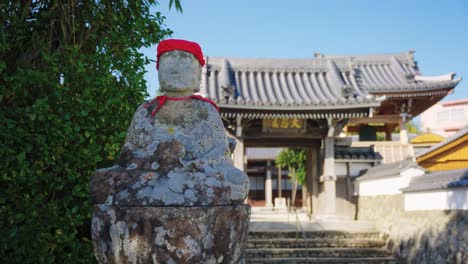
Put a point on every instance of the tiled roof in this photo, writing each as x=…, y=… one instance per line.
x=325, y=82
x=388, y=170
x=438, y=180
x=341, y=153
x=262, y=153
x=357, y=153
x=448, y=140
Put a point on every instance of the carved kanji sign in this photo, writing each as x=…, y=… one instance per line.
x=283, y=125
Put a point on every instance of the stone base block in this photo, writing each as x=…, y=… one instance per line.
x=280, y=203
x=202, y=234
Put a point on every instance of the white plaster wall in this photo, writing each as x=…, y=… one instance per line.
x=387, y=186
x=451, y=199
x=340, y=168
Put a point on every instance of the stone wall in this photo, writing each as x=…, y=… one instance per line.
x=434, y=236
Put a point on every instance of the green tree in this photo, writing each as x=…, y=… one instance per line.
x=71, y=76
x=413, y=127
x=295, y=161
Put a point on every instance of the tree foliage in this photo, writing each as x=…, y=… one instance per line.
x=295, y=161
x=293, y=158
x=177, y=4
x=413, y=127
x=71, y=76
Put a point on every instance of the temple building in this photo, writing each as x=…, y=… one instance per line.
x=449, y=154
x=314, y=103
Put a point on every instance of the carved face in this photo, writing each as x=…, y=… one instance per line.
x=179, y=72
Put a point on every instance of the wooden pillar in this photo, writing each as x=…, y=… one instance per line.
x=305, y=194
x=388, y=132
x=350, y=192
x=279, y=183
x=314, y=163
x=268, y=186
x=309, y=181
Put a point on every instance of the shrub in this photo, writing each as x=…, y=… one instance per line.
x=71, y=76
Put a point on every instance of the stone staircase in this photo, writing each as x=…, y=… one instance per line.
x=321, y=246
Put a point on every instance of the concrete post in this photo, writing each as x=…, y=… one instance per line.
x=305, y=195
x=329, y=178
x=403, y=131
x=239, y=152
x=268, y=187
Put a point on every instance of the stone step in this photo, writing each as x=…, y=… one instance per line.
x=272, y=215
x=315, y=252
x=314, y=243
x=314, y=234
x=364, y=260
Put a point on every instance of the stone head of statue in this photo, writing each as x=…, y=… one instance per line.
x=179, y=66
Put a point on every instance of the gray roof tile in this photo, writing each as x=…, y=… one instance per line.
x=325, y=82
x=438, y=180
x=388, y=170
x=341, y=153
x=262, y=153
x=357, y=153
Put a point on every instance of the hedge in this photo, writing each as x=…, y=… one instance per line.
x=71, y=76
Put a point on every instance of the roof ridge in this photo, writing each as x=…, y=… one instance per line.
x=318, y=56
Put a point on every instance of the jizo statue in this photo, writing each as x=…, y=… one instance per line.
x=174, y=195
x=179, y=73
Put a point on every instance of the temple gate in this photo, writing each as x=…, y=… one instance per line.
x=308, y=103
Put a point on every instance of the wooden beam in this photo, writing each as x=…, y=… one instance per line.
x=375, y=119
x=282, y=142
x=355, y=129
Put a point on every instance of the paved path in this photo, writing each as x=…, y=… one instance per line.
x=264, y=219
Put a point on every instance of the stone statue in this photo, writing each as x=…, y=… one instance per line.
x=174, y=195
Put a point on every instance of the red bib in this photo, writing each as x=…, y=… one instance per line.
x=162, y=99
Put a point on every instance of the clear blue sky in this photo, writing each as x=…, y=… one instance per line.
x=436, y=30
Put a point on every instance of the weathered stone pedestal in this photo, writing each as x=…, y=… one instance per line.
x=172, y=197
x=199, y=234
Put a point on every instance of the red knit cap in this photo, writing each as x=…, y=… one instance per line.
x=179, y=44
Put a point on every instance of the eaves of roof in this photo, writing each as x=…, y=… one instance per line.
x=414, y=87
x=298, y=107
